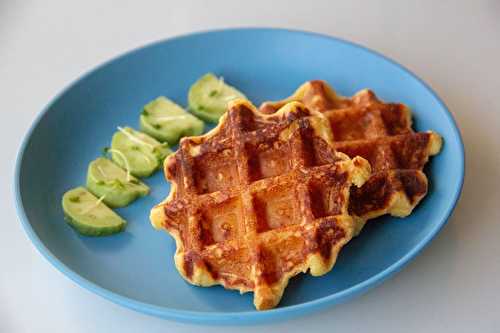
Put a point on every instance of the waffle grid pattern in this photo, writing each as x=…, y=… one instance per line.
x=381, y=133
x=257, y=203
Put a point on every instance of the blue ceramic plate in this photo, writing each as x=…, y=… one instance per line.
x=135, y=268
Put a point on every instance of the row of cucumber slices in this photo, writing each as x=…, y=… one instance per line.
x=113, y=183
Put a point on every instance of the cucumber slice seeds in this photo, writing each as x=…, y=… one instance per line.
x=166, y=121
x=117, y=187
x=136, y=152
x=208, y=97
x=89, y=215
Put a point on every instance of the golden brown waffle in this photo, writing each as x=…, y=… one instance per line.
x=258, y=200
x=381, y=133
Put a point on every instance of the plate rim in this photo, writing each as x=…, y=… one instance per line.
x=243, y=317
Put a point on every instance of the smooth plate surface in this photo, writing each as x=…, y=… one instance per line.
x=136, y=268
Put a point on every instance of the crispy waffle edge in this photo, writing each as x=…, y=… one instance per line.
x=267, y=296
x=319, y=96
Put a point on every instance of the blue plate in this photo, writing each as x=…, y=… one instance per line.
x=135, y=268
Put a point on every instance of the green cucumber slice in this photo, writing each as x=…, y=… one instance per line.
x=117, y=187
x=89, y=215
x=166, y=121
x=137, y=152
x=208, y=97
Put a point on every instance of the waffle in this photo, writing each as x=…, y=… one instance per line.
x=381, y=133
x=258, y=200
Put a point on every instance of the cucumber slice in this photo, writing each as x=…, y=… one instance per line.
x=117, y=187
x=137, y=152
x=166, y=121
x=88, y=215
x=208, y=97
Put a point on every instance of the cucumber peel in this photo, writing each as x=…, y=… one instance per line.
x=117, y=187
x=208, y=97
x=88, y=215
x=168, y=122
x=136, y=152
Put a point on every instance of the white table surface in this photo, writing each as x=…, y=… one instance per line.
x=454, y=286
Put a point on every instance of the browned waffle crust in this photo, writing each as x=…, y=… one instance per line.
x=258, y=200
x=381, y=133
